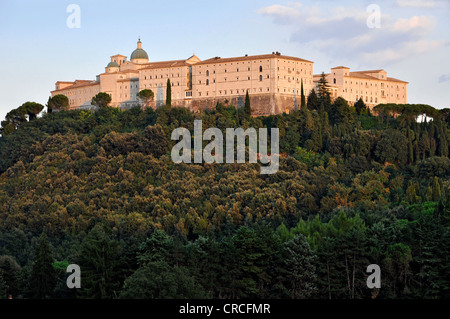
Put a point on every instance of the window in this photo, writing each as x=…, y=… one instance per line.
x=207, y=81
x=260, y=78
x=334, y=81
x=207, y=72
x=260, y=69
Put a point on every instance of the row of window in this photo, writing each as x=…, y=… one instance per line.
x=159, y=76
x=371, y=84
x=237, y=79
x=131, y=86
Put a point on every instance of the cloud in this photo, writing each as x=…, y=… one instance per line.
x=281, y=14
x=344, y=32
x=404, y=49
x=417, y=3
x=421, y=24
x=444, y=78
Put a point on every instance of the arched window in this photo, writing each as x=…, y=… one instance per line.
x=260, y=77
x=260, y=69
x=334, y=81
x=207, y=72
x=207, y=81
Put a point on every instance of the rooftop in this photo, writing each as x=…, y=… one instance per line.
x=251, y=57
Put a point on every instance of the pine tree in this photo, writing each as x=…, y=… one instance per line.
x=169, y=93
x=100, y=261
x=324, y=93
x=299, y=266
x=43, y=275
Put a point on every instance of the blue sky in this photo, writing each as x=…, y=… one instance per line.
x=38, y=49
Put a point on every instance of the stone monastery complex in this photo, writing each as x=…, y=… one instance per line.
x=272, y=80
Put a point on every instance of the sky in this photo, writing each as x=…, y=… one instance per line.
x=39, y=44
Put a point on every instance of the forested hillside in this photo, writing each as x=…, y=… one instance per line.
x=100, y=190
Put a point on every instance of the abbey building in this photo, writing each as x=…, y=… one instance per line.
x=273, y=81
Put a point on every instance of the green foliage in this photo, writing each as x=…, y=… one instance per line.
x=313, y=101
x=43, y=276
x=302, y=98
x=169, y=93
x=58, y=102
x=147, y=96
x=101, y=100
x=360, y=106
x=392, y=148
x=158, y=280
x=247, y=107
x=225, y=231
x=100, y=261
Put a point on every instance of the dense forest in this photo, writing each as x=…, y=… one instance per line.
x=99, y=189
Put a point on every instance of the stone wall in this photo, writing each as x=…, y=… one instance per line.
x=261, y=104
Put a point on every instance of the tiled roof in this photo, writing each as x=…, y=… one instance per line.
x=362, y=75
x=369, y=71
x=249, y=58
x=165, y=64
x=396, y=80
x=78, y=84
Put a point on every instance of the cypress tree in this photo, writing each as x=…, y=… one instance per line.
x=169, y=93
x=313, y=101
x=247, y=108
x=303, y=99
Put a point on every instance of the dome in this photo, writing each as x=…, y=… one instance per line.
x=112, y=65
x=139, y=53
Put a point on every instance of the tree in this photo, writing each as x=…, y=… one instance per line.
x=398, y=258
x=100, y=261
x=324, y=92
x=360, y=106
x=302, y=99
x=147, y=96
x=43, y=275
x=101, y=100
x=154, y=141
x=159, y=280
x=58, y=102
x=169, y=93
x=3, y=286
x=392, y=148
x=32, y=109
x=313, y=101
x=299, y=268
x=11, y=271
x=247, y=107
x=340, y=112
